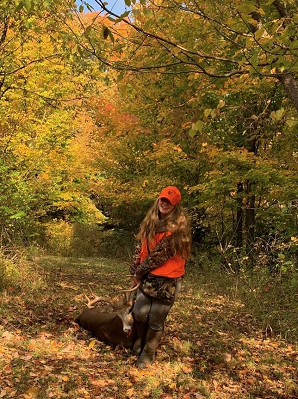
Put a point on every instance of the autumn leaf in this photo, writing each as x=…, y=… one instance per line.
x=91, y=344
x=198, y=126
x=130, y=392
x=186, y=369
x=100, y=383
x=32, y=392
x=221, y=104
x=227, y=357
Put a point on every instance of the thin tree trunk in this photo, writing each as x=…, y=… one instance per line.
x=239, y=218
x=291, y=86
x=250, y=216
x=239, y=225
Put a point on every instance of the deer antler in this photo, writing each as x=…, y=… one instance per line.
x=92, y=302
x=111, y=301
x=133, y=288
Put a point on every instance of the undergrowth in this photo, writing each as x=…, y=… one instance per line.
x=270, y=298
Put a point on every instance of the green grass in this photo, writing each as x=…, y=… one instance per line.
x=213, y=347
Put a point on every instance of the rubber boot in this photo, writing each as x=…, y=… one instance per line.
x=148, y=353
x=140, y=342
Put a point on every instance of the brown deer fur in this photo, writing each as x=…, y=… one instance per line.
x=106, y=327
x=113, y=324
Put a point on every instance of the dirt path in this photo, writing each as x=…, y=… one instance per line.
x=211, y=348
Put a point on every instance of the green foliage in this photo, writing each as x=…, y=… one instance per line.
x=209, y=136
x=116, y=244
x=43, y=163
x=64, y=238
x=71, y=130
x=17, y=273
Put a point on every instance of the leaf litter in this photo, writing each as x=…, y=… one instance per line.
x=211, y=349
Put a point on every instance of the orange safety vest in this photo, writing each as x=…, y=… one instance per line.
x=173, y=267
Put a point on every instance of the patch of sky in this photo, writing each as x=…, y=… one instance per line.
x=117, y=6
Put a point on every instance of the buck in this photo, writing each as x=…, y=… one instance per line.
x=114, y=323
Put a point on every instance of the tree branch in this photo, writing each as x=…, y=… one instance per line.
x=29, y=63
x=163, y=39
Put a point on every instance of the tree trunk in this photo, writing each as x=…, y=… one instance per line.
x=291, y=86
x=238, y=226
x=239, y=218
x=250, y=224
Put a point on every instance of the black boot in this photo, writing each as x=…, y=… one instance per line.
x=140, y=342
x=148, y=353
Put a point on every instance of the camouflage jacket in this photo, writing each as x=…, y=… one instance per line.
x=159, y=287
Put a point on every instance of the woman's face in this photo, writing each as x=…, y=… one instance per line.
x=165, y=207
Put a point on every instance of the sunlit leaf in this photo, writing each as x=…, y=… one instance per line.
x=91, y=344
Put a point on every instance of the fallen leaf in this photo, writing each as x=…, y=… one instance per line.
x=27, y=357
x=186, y=369
x=227, y=357
x=7, y=335
x=92, y=343
x=32, y=392
x=130, y=392
x=100, y=383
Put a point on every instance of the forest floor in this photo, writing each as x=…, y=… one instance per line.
x=212, y=347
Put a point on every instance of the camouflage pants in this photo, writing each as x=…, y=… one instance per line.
x=152, y=310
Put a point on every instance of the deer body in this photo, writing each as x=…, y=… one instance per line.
x=113, y=324
x=107, y=327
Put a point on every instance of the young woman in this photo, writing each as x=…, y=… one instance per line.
x=159, y=264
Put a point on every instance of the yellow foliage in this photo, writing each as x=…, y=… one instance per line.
x=59, y=236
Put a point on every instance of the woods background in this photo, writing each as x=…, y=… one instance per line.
x=98, y=112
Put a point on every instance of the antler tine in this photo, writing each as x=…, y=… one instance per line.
x=134, y=288
x=92, y=302
x=91, y=291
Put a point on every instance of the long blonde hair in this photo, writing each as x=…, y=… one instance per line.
x=177, y=222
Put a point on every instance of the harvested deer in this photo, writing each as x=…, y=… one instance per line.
x=113, y=325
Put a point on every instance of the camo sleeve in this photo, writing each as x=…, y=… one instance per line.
x=136, y=260
x=158, y=256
